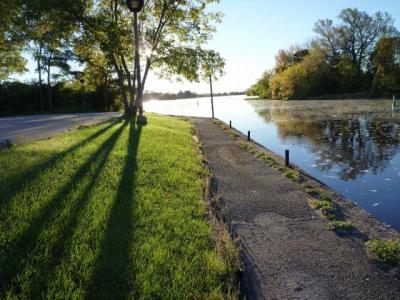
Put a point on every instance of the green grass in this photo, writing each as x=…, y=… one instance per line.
x=111, y=211
x=293, y=174
x=340, y=225
x=387, y=251
x=326, y=207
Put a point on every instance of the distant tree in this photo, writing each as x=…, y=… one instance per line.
x=356, y=36
x=328, y=37
x=262, y=87
x=386, y=65
x=48, y=29
x=309, y=77
x=212, y=67
x=360, y=32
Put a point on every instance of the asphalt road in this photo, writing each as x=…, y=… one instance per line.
x=23, y=129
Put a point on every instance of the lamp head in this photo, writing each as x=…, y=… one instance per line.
x=135, y=5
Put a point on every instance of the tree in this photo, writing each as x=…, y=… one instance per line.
x=356, y=36
x=11, y=43
x=173, y=32
x=212, y=66
x=386, y=65
x=49, y=27
x=262, y=87
x=309, y=77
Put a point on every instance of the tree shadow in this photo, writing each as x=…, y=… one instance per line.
x=17, y=183
x=13, y=261
x=112, y=274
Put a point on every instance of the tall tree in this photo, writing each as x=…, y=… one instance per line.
x=173, y=32
x=49, y=28
x=11, y=42
x=356, y=36
x=386, y=65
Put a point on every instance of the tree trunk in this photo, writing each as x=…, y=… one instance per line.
x=139, y=100
x=39, y=66
x=49, y=95
x=106, y=92
x=212, y=97
x=121, y=83
x=131, y=85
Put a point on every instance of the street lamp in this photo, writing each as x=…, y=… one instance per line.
x=136, y=6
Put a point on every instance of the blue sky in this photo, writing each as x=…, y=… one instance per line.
x=253, y=31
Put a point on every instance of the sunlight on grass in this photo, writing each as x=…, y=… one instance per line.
x=111, y=211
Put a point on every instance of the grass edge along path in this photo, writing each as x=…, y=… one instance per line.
x=121, y=215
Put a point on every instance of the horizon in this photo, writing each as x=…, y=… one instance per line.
x=244, y=62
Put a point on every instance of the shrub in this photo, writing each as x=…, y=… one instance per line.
x=387, y=251
x=336, y=225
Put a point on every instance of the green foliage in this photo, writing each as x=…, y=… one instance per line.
x=11, y=44
x=340, y=225
x=309, y=77
x=109, y=211
x=386, y=65
x=312, y=191
x=263, y=86
x=326, y=207
x=293, y=174
x=360, y=54
x=387, y=251
x=22, y=98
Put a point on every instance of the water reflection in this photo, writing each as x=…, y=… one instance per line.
x=354, y=140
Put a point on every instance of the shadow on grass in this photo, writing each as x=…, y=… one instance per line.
x=113, y=269
x=13, y=261
x=19, y=182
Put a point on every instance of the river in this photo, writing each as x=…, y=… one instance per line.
x=352, y=146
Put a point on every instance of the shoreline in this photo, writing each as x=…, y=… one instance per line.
x=368, y=223
x=287, y=250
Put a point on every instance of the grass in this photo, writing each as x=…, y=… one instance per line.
x=340, y=225
x=385, y=250
x=326, y=208
x=110, y=211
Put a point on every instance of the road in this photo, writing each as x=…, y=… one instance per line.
x=24, y=129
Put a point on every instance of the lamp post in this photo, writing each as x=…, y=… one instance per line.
x=136, y=6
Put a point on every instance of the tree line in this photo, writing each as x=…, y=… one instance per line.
x=358, y=56
x=84, y=51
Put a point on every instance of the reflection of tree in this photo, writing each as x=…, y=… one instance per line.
x=355, y=145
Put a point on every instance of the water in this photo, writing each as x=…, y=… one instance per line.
x=352, y=146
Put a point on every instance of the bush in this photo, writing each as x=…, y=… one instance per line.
x=387, y=251
x=24, y=98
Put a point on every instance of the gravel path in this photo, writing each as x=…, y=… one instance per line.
x=27, y=128
x=287, y=251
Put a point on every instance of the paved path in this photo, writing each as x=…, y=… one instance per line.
x=287, y=251
x=28, y=128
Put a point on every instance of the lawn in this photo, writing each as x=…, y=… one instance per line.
x=109, y=211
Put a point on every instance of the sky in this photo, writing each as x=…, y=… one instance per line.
x=252, y=32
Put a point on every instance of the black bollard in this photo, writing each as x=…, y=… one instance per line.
x=230, y=124
x=287, y=162
x=248, y=136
